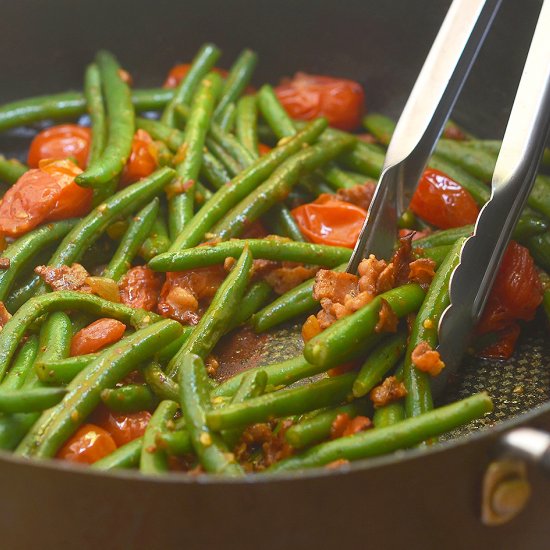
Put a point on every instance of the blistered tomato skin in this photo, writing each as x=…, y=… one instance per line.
x=88, y=445
x=61, y=142
x=125, y=427
x=143, y=159
x=96, y=336
x=443, y=202
x=330, y=221
x=48, y=193
x=308, y=96
x=177, y=72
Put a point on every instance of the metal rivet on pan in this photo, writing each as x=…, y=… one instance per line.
x=506, y=491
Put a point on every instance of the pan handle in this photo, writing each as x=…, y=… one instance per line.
x=527, y=444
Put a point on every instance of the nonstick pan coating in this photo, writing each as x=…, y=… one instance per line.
x=418, y=499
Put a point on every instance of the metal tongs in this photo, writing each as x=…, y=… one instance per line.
x=429, y=105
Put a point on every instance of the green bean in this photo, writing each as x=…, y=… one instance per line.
x=96, y=110
x=388, y=415
x=340, y=179
x=539, y=246
x=252, y=385
x=269, y=249
x=11, y=170
x=241, y=186
x=277, y=186
x=247, y=122
x=256, y=296
x=436, y=253
x=203, y=62
x=90, y=228
x=232, y=146
x=286, y=402
x=227, y=118
x=297, y=301
x=342, y=340
x=364, y=159
x=424, y=329
x=177, y=442
x=226, y=159
x=218, y=316
x=180, y=207
x=15, y=328
x=161, y=384
x=380, y=126
x=22, y=365
x=129, y=398
x=379, y=362
x=59, y=422
x=124, y=457
x=22, y=250
x=408, y=433
x=213, y=171
x=236, y=81
x=140, y=226
x=27, y=400
x=546, y=303
x=172, y=348
x=318, y=427
x=273, y=112
x=285, y=223
x=154, y=459
x=158, y=241
x=121, y=126
x=195, y=405
x=63, y=371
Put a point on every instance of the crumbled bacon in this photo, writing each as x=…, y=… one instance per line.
x=402, y=258
x=426, y=359
x=343, y=425
x=360, y=194
x=369, y=271
x=389, y=391
x=284, y=278
x=311, y=328
x=334, y=285
x=5, y=315
x=186, y=294
x=387, y=319
x=422, y=271
x=212, y=366
x=64, y=277
x=4, y=263
x=140, y=288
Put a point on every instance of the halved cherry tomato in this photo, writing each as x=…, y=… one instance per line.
x=61, y=142
x=328, y=220
x=48, y=193
x=177, y=72
x=96, y=336
x=443, y=202
x=308, y=96
x=143, y=159
x=516, y=294
x=87, y=445
x=504, y=346
x=140, y=288
x=125, y=427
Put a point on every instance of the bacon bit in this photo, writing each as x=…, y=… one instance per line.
x=343, y=368
x=389, y=391
x=64, y=277
x=176, y=187
x=254, y=230
x=4, y=263
x=3, y=242
x=426, y=359
x=186, y=294
x=343, y=425
x=334, y=286
x=212, y=366
x=287, y=277
x=360, y=194
x=387, y=319
x=229, y=262
x=261, y=268
x=422, y=271
x=311, y=328
x=5, y=315
x=140, y=288
x=369, y=270
x=104, y=288
x=386, y=279
x=402, y=258
x=335, y=464
x=277, y=447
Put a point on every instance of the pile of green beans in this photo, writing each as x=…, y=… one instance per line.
x=193, y=213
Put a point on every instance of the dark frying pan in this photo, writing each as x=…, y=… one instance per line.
x=418, y=499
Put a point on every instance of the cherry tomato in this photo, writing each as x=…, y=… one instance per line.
x=504, y=347
x=143, y=159
x=125, y=427
x=328, y=220
x=516, y=294
x=48, y=193
x=309, y=96
x=177, y=72
x=87, y=445
x=140, y=288
x=263, y=149
x=96, y=336
x=443, y=202
x=61, y=142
